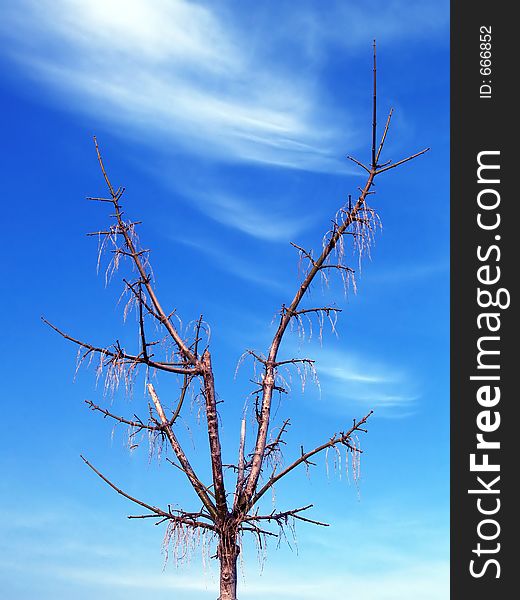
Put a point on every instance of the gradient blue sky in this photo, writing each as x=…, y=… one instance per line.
x=228, y=123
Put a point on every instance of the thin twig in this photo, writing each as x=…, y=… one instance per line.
x=136, y=424
x=401, y=162
x=149, y=507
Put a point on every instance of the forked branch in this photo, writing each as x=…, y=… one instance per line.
x=136, y=257
x=358, y=216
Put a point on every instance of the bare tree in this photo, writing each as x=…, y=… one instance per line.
x=222, y=516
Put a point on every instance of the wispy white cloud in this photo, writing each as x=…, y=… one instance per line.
x=254, y=217
x=233, y=263
x=347, y=378
x=193, y=77
x=173, y=69
x=194, y=74
x=338, y=368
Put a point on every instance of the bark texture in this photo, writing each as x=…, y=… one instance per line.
x=228, y=551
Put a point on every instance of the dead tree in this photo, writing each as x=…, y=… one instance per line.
x=223, y=516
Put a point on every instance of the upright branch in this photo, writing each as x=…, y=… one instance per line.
x=241, y=463
x=214, y=438
x=125, y=230
x=355, y=220
x=374, y=110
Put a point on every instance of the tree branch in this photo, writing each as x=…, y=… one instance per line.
x=374, y=111
x=401, y=162
x=136, y=424
x=213, y=436
x=340, y=438
x=186, y=384
x=241, y=463
x=280, y=517
x=116, y=195
x=154, y=509
x=275, y=444
x=350, y=217
x=181, y=457
x=183, y=517
x=383, y=138
x=120, y=355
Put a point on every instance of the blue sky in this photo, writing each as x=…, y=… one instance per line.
x=228, y=123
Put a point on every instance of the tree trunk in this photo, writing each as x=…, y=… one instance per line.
x=228, y=552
